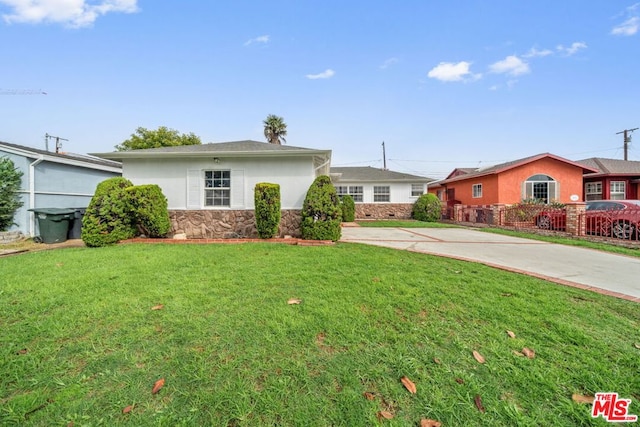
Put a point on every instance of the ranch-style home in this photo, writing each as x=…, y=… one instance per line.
x=210, y=187
x=544, y=177
x=379, y=193
x=54, y=180
x=614, y=179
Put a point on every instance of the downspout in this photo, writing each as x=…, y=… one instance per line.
x=32, y=194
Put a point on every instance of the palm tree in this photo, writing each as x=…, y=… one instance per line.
x=275, y=129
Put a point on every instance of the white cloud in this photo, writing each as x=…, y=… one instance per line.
x=327, y=74
x=450, y=72
x=71, y=13
x=511, y=65
x=389, y=62
x=571, y=50
x=259, y=39
x=631, y=25
x=535, y=53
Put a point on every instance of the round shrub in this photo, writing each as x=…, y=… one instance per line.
x=427, y=208
x=267, y=209
x=321, y=211
x=10, y=200
x=108, y=219
x=149, y=208
x=348, y=208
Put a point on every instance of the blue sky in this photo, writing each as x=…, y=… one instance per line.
x=444, y=84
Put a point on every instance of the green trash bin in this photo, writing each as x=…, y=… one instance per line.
x=53, y=224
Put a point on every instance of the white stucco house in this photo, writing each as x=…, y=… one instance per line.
x=210, y=187
x=379, y=193
x=54, y=180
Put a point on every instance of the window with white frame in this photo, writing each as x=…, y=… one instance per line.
x=477, y=191
x=417, y=190
x=542, y=188
x=356, y=192
x=342, y=190
x=381, y=193
x=593, y=190
x=217, y=188
x=617, y=190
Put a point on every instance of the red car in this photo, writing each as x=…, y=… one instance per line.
x=616, y=218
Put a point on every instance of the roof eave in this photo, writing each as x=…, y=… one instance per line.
x=122, y=155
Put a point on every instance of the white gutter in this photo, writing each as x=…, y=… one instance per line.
x=32, y=194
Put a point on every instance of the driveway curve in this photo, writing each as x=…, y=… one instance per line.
x=603, y=272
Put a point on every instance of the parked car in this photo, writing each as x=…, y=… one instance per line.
x=615, y=218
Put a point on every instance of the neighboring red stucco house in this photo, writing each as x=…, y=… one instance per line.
x=614, y=180
x=545, y=177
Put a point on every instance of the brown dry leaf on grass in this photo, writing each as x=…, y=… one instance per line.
x=430, y=423
x=511, y=334
x=127, y=409
x=636, y=345
x=294, y=301
x=157, y=386
x=436, y=361
x=23, y=351
x=517, y=353
x=157, y=307
x=578, y=398
x=385, y=414
x=409, y=385
x=478, y=357
x=369, y=395
x=528, y=352
x=478, y=401
x=459, y=380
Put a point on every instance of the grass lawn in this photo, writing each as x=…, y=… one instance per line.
x=80, y=341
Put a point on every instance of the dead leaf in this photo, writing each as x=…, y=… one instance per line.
x=636, y=345
x=375, y=279
x=478, y=401
x=506, y=294
x=157, y=386
x=70, y=424
x=430, y=423
x=459, y=380
x=528, y=352
x=385, y=414
x=511, y=334
x=294, y=301
x=157, y=307
x=369, y=395
x=478, y=357
x=23, y=351
x=127, y=409
x=517, y=353
x=59, y=264
x=578, y=398
x=436, y=361
x=409, y=385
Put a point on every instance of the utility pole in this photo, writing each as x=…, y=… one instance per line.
x=57, y=138
x=384, y=157
x=627, y=140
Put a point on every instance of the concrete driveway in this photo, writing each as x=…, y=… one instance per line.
x=610, y=274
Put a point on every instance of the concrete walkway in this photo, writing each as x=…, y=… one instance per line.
x=610, y=274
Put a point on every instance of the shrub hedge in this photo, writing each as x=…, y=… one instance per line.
x=149, y=209
x=10, y=200
x=321, y=211
x=348, y=208
x=267, y=209
x=427, y=208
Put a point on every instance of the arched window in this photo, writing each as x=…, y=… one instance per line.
x=540, y=187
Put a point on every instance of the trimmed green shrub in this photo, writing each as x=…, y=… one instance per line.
x=10, y=202
x=321, y=212
x=108, y=219
x=427, y=208
x=149, y=208
x=348, y=208
x=267, y=209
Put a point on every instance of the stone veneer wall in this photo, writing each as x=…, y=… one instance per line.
x=228, y=224
x=383, y=210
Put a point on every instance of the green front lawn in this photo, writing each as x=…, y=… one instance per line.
x=80, y=341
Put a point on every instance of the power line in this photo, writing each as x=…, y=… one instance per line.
x=22, y=92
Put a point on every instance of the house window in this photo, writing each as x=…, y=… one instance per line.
x=593, y=190
x=217, y=188
x=356, y=192
x=342, y=190
x=381, y=193
x=477, y=191
x=617, y=190
x=541, y=188
x=417, y=190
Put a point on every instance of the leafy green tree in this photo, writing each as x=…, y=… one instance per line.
x=275, y=129
x=161, y=137
x=321, y=211
x=10, y=181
